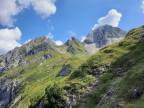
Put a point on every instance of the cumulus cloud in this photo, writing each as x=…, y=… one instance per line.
x=10, y=8
x=83, y=38
x=8, y=39
x=58, y=43
x=44, y=7
x=27, y=41
x=142, y=6
x=49, y=35
x=113, y=18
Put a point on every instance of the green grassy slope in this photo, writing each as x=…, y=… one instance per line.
x=120, y=66
x=119, y=69
x=36, y=76
x=123, y=63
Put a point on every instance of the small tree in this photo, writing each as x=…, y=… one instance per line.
x=54, y=97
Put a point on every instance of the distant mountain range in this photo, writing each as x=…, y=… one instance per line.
x=41, y=74
x=97, y=39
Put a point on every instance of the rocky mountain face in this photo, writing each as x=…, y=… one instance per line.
x=103, y=36
x=75, y=46
x=39, y=50
x=8, y=91
x=15, y=57
x=112, y=77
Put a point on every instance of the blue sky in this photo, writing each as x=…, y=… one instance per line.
x=64, y=18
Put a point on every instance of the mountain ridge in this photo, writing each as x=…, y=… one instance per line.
x=112, y=77
x=14, y=57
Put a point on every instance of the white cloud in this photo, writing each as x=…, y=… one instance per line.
x=58, y=43
x=10, y=8
x=10, y=34
x=142, y=6
x=27, y=41
x=113, y=18
x=83, y=38
x=44, y=7
x=71, y=33
x=25, y=3
x=8, y=39
x=50, y=36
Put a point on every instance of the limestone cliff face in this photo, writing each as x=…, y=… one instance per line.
x=15, y=57
x=103, y=36
x=7, y=91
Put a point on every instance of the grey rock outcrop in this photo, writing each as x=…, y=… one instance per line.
x=48, y=56
x=7, y=91
x=103, y=36
x=15, y=57
x=66, y=70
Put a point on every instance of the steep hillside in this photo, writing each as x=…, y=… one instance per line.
x=103, y=36
x=15, y=57
x=28, y=82
x=113, y=77
x=119, y=73
x=27, y=70
x=60, y=76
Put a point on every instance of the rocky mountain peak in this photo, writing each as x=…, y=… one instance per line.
x=37, y=45
x=67, y=42
x=15, y=57
x=73, y=40
x=41, y=40
x=103, y=36
x=75, y=46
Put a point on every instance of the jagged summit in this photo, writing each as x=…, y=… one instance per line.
x=69, y=40
x=41, y=40
x=75, y=46
x=73, y=40
x=103, y=36
x=15, y=57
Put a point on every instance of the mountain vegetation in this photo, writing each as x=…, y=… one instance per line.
x=43, y=75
